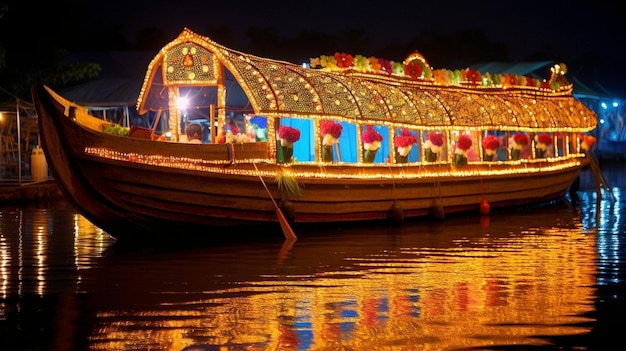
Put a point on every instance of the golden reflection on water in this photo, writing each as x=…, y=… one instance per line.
x=464, y=285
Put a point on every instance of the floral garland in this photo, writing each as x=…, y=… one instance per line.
x=490, y=144
x=420, y=70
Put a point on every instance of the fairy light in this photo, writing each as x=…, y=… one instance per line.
x=277, y=89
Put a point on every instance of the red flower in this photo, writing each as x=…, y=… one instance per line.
x=464, y=142
x=385, y=66
x=435, y=138
x=370, y=135
x=344, y=60
x=404, y=139
x=330, y=127
x=288, y=133
x=473, y=76
x=520, y=138
x=544, y=138
x=413, y=70
x=490, y=142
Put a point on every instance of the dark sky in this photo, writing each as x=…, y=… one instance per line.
x=578, y=33
x=589, y=36
x=572, y=28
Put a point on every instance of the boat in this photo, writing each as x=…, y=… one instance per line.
x=340, y=139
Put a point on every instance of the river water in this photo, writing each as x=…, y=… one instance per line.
x=545, y=277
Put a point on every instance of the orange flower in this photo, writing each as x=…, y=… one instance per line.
x=374, y=64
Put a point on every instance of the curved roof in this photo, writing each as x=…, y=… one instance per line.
x=280, y=89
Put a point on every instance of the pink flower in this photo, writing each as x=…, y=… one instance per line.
x=464, y=142
x=435, y=138
x=370, y=135
x=404, y=139
x=288, y=133
x=330, y=127
x=490, y=142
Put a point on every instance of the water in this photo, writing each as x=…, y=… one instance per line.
x=548, y=277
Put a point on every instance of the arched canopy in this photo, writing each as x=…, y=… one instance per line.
x=281, y=89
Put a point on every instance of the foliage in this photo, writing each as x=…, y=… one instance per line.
x=117, y=129
x=288, y=186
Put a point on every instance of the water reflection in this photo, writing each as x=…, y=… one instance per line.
x=514, y=278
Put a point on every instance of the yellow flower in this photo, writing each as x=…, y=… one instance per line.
x=361, y=63
x=328, y=62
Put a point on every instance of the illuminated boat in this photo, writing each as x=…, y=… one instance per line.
x=342, y=139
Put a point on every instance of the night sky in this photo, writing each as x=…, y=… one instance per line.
x=589, y=36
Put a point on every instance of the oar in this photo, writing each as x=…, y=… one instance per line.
x=284, y=225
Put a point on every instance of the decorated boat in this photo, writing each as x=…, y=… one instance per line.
x=341, y=138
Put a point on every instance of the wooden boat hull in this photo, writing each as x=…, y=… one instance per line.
x=137, y=188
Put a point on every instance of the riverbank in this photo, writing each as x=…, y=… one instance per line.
x=28, y=191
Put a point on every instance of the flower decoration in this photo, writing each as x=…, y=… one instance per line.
x=375, y=65
x=473, y=77
x=490, y=144
x=397, y=68
x=544, y=138
x=510, y=80
x=371, y=143
x=435, y=139
x=361, y=63
x=419, y=69
x=289, y=134
x=413, y=70
x=371, y=138
x=403, y=143
x=519, y=140
x=330, y=128
x=463, y=143
x=315, y=62
x=543, y=141
x=385, y=66
x=328, y=62
x=432, y=146
x=344, y=60
x=404, y=139
x=331, y=132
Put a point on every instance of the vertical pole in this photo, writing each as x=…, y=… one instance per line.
x=212, y=125
x=19, y=142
